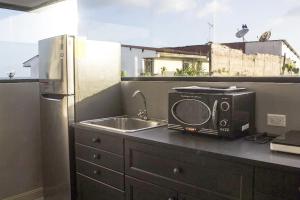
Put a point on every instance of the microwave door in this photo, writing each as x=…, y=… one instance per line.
x=53, y=64
x=192, y=112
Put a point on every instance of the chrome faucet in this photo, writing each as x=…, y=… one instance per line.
x=142, y=114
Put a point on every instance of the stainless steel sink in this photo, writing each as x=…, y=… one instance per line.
x=124, y=124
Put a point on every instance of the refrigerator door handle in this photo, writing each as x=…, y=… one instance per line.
x=52, y=97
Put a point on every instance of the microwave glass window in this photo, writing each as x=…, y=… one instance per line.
x=193, y=112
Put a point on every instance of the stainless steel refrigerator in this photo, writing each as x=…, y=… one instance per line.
x=79, y=80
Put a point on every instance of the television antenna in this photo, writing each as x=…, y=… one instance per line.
x=265, y=36
x=211, y=27
x=241, y=33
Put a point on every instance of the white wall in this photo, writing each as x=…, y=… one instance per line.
x=171, y=65
x=132, y=60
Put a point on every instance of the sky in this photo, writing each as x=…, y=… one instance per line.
x=157, y=23
x=21, y=31
x=185, y=22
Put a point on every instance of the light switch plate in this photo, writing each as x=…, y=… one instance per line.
x=276, y=120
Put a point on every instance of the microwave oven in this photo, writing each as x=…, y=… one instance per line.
x=228, y=115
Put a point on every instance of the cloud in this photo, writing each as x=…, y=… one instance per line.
x=169, y=6
x=213, y=7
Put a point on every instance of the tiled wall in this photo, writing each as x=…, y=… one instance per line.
x=275, y=98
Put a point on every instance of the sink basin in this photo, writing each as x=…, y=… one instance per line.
x=124, y=124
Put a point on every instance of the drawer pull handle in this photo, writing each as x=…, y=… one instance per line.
x=96, y=172
x=96, y=140
x=176, y=170
x=171, y=198
x=299, y=188
x=96, y=156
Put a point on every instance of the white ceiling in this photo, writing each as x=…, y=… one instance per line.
x=27, y=4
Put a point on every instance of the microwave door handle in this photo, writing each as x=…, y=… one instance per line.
x=214, y=114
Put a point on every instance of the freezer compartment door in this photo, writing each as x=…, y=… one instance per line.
x=56, y=65
x=55, y=147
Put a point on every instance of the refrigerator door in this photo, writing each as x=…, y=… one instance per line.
x=55, y=147
x=56, y=65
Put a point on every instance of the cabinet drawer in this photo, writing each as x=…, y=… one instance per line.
x=206, y=197
x=161, y=165
x=100, y=157
x=276, y=184
x=99, y=140
x=140, y=190
x=98, y=173
x=89, y=189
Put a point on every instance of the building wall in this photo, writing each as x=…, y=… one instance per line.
x=33, y=65
x=20, y=142
x=274, y=98
x=132, y=60
x=268, y=47
x=232, y=62
x=170, y=63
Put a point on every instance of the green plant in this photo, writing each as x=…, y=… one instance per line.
x=163, y=71
x=290, y=68
x=123, y=73
x=189, y=70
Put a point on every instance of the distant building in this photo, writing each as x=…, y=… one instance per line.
x=272, y=47
x=33, y=64
x=139, y=60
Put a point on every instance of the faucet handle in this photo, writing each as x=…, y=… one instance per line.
x=143, y=114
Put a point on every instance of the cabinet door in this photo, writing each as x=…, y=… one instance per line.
x=188, y=172
x=272, y=184
x=186, y=197
x=202, y=197
x=100, y=157
x=140, y=190
x=89, y=189
x=101, y=140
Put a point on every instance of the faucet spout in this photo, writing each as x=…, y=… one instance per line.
x=143, y=114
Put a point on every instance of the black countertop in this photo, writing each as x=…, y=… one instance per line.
x=239, y=150
x=17, y=80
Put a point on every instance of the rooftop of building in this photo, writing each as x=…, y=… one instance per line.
x=203, y=49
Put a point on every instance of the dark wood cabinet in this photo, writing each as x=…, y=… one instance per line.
x=101, y=174
x=200, y=175
x=116, y=167
x=210, y=197
x=99, y=165
x=273, y=184
x=100, y=157
x=89, y=189
x=100, y=140
x=141, y=190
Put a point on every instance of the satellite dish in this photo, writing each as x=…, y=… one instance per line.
x=265, y=36
x=243, y=32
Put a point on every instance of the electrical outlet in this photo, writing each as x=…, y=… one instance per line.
x=276, y=120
